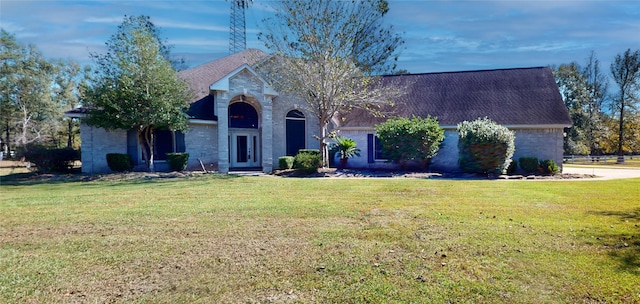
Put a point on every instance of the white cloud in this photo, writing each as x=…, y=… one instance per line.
x=105, y=20
x=190, y=26
x=199, y=42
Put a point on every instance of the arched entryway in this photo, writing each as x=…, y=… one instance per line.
x=244, y=134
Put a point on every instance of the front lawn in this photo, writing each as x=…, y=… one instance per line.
x=225, y=239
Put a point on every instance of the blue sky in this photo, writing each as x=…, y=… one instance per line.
x=440, y=35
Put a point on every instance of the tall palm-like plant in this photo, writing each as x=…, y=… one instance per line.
x=345, y=148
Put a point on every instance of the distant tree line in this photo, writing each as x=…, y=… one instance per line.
x=604, y=122
x=34, y=94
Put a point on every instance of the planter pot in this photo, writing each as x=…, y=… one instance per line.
x=343, y=163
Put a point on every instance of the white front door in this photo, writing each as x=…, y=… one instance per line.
x=244, y=149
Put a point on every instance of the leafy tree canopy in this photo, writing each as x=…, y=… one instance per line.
x=625, y=70
x=324, y=51
x=135, y=86
x=28, y=112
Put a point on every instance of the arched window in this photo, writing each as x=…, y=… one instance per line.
x=296, y=130
x=242, y=115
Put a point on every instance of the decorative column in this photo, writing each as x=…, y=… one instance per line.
x=222, y=105
x=267, y=134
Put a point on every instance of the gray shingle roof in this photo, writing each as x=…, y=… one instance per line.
x=511, y=97
x=201, y=77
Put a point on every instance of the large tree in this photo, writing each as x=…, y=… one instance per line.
x=27, y=110
x=68, y=81
x=135, y=86
x=325, y=53
x=583, y=90
x=625, y=70
x=575, y=93
x=597, y=85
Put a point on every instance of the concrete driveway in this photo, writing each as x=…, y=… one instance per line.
x=603, y=173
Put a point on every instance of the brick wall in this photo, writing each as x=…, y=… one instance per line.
x=281, y=106
x=540, y=143
x=96, y=143
x=201, y=142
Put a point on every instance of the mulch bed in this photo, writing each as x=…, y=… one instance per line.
x=353, y=173
x=322, y=173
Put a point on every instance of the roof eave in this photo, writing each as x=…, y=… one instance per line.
x=453, y=127
x=75, y=115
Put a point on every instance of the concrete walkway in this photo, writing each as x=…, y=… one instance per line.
x=603, y=173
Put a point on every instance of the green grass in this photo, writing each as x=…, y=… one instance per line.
x=222, y=239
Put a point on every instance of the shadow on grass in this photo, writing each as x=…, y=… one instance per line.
x=624, y=247
x=135, y=178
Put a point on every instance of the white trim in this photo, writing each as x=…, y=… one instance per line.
x=223, y=83
x=76, y=115
x=554, y=126
x=202, y=122
x=520, y=127
x=356, y=129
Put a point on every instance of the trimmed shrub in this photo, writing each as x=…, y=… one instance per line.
x=119, y=162
x=49, y=160
x=285, y=162
x=177, y=161
x=485, y=146
x=548, y=166
x=528, y=164
x=415, y=139
x=307, y=161
x=310, y=151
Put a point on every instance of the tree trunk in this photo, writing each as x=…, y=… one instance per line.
x=323, y=147
x=7, y=143
x=145, y=139
x=70, y=134
x=621, y=131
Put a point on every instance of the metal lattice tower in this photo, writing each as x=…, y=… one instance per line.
x=238, y=34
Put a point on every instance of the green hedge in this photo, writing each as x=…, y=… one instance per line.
x=119, y=162
x=528, y=164
x=307, y=161
x=485, y=146
x=47, y=159
x=177, y=161
x=285, y=162
x=405, y=139
x=548, y=166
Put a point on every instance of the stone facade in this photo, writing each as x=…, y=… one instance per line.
x=244, y=85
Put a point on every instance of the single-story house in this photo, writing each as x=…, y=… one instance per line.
x=525, y=100
x=238, y=122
